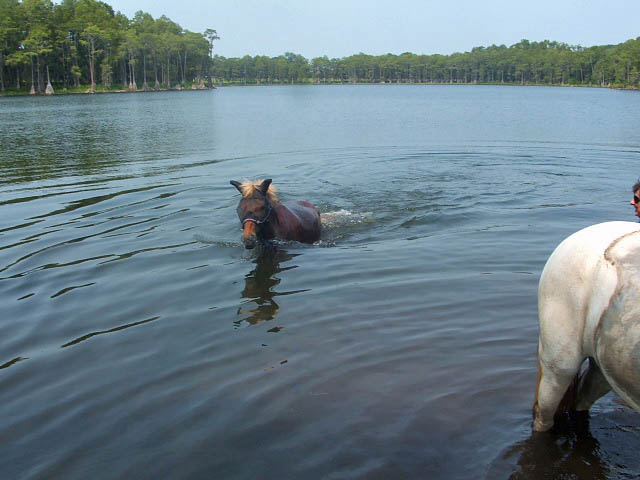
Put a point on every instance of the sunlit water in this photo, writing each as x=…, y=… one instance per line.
x=138, y=339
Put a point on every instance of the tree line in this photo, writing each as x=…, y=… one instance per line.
x=525, y=62
x=83, y=43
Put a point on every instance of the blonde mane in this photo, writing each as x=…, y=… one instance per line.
x=248, y=189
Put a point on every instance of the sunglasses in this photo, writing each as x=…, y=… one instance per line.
x=636, y=199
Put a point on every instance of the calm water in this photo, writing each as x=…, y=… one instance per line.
x=138, y=339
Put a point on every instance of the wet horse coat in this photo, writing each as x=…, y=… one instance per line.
x=589, y=308
x=265, y=218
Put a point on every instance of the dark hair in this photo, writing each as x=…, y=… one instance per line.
x=636, y=186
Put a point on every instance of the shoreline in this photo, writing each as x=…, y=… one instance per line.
x=85, y=91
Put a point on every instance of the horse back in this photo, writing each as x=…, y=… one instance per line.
x=299, y=221
x=581, y=267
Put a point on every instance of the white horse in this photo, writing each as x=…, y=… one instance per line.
x=589, y=308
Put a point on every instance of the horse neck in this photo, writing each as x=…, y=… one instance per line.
x=269, y=229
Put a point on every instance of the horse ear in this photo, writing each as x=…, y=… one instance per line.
x=264, y=186
x=237, y=185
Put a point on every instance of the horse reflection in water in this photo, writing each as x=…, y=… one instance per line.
x=578, y=447
x=260, y=286
x=572, y=452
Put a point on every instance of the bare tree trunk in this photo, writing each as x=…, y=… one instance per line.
x=178, y=68
x=133, y=74
x=184, y=69
x=1, y=71
x=40, y=89
x=155, y=69
x=64, y=67
x=168, y=71
x=49, y=89
x=33, y=88
x=144, y=71
x=92, y=66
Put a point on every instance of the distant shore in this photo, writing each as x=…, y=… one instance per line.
x=99, y=89
x=86, y=90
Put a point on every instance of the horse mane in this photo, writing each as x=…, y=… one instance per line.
x=248, y=189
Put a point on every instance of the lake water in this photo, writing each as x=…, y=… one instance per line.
x=138, y=339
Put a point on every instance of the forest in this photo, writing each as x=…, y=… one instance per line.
x=83, y=45
x=525, y=63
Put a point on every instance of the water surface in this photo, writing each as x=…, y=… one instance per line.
x=138, y=339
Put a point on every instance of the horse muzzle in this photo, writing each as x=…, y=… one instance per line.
x=249, y=235
x=250, y=242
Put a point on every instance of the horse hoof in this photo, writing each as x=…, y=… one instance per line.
x=540, y=426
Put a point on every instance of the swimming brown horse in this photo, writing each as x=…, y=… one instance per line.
x=265, y=218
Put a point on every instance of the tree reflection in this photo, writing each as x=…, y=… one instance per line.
x=260, y=284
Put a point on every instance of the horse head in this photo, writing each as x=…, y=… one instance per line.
x=255, y=210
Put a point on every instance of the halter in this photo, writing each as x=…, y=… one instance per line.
x=259, y=222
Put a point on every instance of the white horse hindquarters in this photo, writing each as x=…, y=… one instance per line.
x=575, y=288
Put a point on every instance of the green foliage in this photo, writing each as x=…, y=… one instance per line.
x=526, y=62
x=85, y=41
x=75, y=71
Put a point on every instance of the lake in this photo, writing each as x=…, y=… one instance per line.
x=139, y=339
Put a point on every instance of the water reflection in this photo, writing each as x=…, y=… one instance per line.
x=260, y=283
x=102, y=332
x=11, y=362
x=76, y=135
x=568, y=451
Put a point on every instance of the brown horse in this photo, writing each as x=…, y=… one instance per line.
x=264, y=217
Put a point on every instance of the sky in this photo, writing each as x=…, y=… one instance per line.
x=340, y=28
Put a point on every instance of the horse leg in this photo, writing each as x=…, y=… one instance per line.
x=565, y=391
x=563, y=304
x=555, y=392
x=592, y=386
x=559, y=359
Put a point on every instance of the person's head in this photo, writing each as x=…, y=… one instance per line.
x=635, y=201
